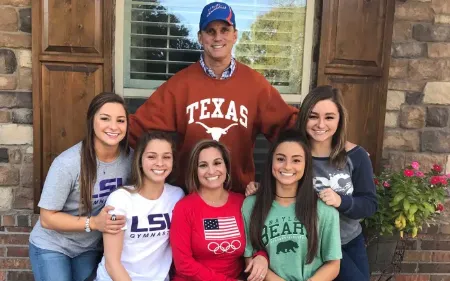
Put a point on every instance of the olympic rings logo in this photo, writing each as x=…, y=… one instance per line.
x=224, y=247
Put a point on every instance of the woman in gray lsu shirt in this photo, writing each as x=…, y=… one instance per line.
x=64, y=244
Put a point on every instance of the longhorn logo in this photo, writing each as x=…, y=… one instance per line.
x=216, y=132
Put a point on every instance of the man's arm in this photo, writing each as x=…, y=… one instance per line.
x=275, y=114
x=158, y=113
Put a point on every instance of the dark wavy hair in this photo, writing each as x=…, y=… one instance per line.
x=88, y=170
x=305, y=201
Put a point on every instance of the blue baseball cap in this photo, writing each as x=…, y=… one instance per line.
x=216, y=11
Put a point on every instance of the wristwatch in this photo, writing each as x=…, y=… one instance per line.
x=86, y=224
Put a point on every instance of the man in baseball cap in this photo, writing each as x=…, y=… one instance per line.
x=216, y=98
x=216, y=11
x=217, y=35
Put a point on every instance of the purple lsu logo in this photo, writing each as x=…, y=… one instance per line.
x=107, y=186
x=156, y=222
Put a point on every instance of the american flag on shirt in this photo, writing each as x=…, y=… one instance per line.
x=221, y=228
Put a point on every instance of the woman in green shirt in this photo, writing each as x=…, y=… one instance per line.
x=285, y=218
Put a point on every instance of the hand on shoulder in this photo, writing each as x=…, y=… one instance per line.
x=251, y=188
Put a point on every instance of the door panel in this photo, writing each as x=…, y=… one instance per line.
x=356, y=32
x=351, y=33
x=73, y=26
x=360, y=98
x=354, y=57
x=72, y=49
x=66, y=93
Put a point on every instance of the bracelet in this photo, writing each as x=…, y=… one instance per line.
x=87, y=226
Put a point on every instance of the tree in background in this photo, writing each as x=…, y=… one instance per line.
x=274, y=45
x=156, y=20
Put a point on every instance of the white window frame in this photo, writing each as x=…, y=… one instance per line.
x=145, y=93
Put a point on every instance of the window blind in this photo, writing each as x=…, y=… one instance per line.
x=161, y=39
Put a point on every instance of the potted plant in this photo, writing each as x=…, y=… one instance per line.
x=407, y=200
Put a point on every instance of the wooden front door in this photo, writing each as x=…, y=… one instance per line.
x=354, y=57
x=71, y=64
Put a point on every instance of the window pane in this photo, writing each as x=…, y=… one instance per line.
x=162, y=39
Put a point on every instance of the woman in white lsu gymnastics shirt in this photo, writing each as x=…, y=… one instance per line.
x=142, y=252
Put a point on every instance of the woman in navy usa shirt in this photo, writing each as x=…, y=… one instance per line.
x=343, y=177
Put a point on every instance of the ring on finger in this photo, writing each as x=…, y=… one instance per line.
x=113, y=217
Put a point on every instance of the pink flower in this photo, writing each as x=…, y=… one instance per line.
x=420, y=174
x=376, y=181
x=408, y=173
x=437, y=168
x=415, y=165
x=386, y=184
x=443, y=180
x=435, y=180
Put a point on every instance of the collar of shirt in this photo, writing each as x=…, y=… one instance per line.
x=227, y=73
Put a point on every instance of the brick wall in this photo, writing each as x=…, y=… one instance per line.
x=418, y=102
x=417, y=128
x=16, y=139
x=417, y=123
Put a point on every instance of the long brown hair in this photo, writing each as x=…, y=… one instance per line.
x=338, y=156
x=137, y=174
x=88, y=170
x=192, y=181
x=305, y=200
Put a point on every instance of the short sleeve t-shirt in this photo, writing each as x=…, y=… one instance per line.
x=285, y=239
x=61, y=192
x=146, y=253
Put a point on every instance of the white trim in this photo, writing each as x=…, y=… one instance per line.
x=118, y=48
x=308, y=48
x=145, y=93
x=137, y=93
x=292, y=98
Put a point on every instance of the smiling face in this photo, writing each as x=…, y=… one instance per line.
x=211, y=169
x=157, y=161
x=110, y=124
x=323, y=121
x=288, y=163
x=217, y=39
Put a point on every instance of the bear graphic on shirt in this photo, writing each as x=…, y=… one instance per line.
x=287, y=246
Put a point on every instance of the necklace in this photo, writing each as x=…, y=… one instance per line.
x=211, y=202
x=285, y=197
